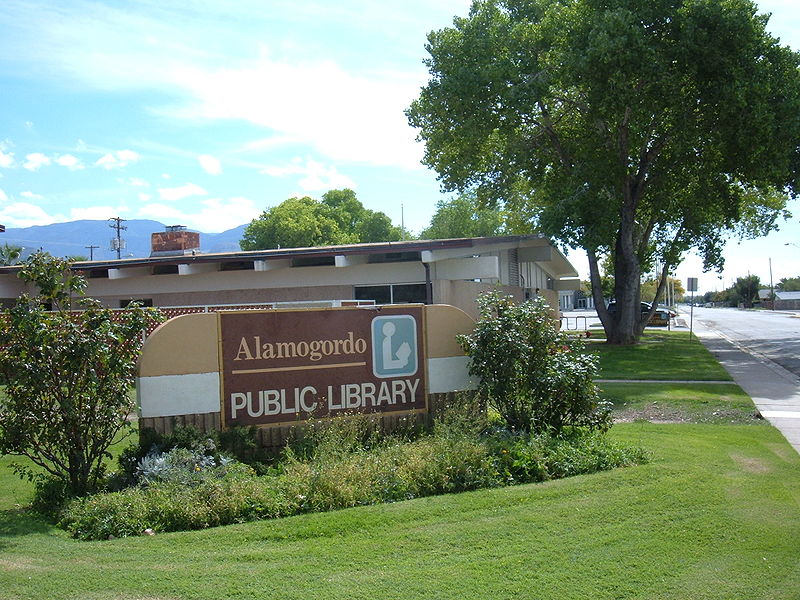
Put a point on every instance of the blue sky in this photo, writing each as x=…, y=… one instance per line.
x=205, y=113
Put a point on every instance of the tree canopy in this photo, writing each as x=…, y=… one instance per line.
x=635, y=130
x=788, y=284
x=339, y=218
x=463, y=216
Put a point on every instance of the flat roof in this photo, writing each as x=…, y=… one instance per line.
x=479, y=244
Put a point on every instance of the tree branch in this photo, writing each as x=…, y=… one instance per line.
x=547, y=124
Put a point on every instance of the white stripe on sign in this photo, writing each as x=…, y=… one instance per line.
x=449, y=374
x=170, y=395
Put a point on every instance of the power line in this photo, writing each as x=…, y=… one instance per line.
x=91, y=251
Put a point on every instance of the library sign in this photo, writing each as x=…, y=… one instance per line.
x=280, y=366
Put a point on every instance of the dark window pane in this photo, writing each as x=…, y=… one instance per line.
x=409, y=293
x=378, y=293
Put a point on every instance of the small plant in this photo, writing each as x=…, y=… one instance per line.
x=536, y=377
x=186, y=467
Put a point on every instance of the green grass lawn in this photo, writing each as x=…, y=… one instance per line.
x=715, y=515
x=662, y=355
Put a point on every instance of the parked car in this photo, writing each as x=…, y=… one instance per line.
x=671, y=312
x=660, y=317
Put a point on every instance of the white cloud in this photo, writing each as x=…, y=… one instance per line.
x=36, y=160
x=316, y=176
x=217, y=214
x=360, y=120
x=73, y=163
x=23, y=214
x=161, y=212
x=96, y=213
x=118, y=159
x=145, y=197
x=6, y=159
x=179, y=193
x=31, y=196
x=3, y=197
x=210, y=164
x=345, y=103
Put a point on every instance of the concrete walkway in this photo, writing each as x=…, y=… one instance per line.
x=774, y=390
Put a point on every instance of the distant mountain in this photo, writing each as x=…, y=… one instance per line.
x=75, y=237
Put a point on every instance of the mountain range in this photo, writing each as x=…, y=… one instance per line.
x=74, y=238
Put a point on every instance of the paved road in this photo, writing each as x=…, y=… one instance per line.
x=771, y=335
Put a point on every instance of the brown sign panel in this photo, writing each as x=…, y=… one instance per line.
x=282, y=366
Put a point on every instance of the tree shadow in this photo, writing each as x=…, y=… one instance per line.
x=17, y=522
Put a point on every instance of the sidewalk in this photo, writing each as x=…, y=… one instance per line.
x=774, y=390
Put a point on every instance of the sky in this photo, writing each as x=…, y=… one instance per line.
x=206, y=113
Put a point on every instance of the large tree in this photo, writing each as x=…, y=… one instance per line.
x=339, y=218
x=635, y=130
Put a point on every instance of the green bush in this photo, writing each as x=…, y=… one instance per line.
x=345, y=463
x=50, y=495
x=175, y=507
x=536, y=377
x=529, y=457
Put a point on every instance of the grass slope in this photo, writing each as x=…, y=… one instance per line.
x=714, y=516
x=660, y=355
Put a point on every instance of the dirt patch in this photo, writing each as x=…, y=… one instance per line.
x=657, y=413
x=750, y=464
x=21, y=564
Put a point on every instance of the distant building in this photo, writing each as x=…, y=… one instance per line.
x=453, y=271
x=787, y=300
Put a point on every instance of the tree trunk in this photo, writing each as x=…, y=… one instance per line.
x=625, y=321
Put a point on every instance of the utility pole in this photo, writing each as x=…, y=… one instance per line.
x=117, y=243
x=91, y=251
x=771, y=288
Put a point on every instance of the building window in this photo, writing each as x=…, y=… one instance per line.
x=165, y=269
x=397, y=293
x=237, y=265
x=394, y=257
x=314, y=261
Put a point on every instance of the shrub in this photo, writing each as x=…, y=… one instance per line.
x=67, y=374
x=537, y=378
x=346, y=464
x=529, y=457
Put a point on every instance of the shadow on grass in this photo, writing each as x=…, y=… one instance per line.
x=16, y=522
